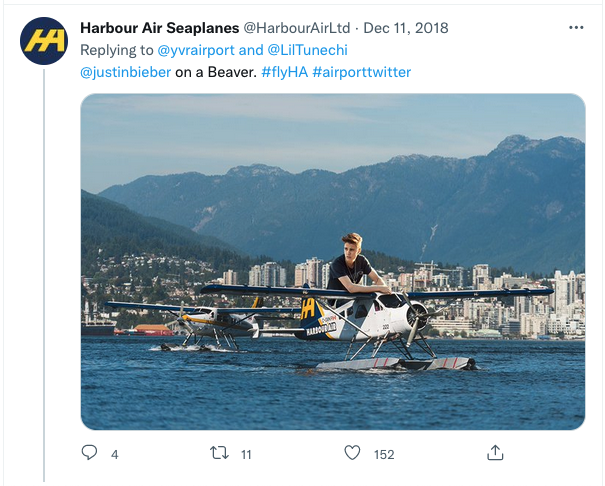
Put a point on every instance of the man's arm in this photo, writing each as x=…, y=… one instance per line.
x=379, y=285
x=377, y=279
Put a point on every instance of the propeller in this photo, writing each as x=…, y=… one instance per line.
x=418, y=317
x=413, y=331
x=179, y=319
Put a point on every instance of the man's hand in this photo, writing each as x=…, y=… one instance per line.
x=384, y=289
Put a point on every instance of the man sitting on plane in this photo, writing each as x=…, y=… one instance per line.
x=346, y=270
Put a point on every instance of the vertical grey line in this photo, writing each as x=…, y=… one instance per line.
x=3, y=246
x=44, y=275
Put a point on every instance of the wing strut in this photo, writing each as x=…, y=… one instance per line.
x=344, y=318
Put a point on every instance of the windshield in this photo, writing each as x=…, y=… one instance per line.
x=391, y=301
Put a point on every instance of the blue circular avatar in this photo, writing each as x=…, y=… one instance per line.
x=44, y=40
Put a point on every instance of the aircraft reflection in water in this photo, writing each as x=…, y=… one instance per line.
x=367, y=321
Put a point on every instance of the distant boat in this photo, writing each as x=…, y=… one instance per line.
x=145, y=330
x=95, y=325
x=93, y=328
x=129, y=332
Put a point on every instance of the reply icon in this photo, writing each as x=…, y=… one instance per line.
x=89, y=451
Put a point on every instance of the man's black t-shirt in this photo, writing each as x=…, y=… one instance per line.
x=339, y=268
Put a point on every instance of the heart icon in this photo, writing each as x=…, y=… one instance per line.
x=352, y=452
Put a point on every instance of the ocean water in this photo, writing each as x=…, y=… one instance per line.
x=128, y=384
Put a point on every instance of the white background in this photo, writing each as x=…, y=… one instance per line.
x=494, y=49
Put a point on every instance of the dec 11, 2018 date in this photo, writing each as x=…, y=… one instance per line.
x=403, y=28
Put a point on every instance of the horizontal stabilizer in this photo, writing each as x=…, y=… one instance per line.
x=280, y=330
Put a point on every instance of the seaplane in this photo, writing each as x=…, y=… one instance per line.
x=370, y=321
x=221, y=324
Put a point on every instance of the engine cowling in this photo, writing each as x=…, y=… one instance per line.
x=419, y=310
x=407, y=317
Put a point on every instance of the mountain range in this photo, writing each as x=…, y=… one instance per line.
x=115, y=230
x=521, y=205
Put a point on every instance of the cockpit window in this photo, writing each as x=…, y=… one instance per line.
x=392, y=301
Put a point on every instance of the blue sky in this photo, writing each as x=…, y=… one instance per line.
x=125, y=137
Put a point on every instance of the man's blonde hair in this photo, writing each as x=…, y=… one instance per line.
x=353, y=238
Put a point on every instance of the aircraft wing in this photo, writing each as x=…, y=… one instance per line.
x=282, y=291
x=259, y=310
x=477, y=294
x=160, y=307
x=343, y=294
x=189, y=309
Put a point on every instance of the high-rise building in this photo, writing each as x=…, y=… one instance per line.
x=406, y=281
x=230, y=277
x=314, y=272
x=566, y=292
x=310, y=273
x=300, y=274
x=325, y=275
x=255, y=276
x=273, y=275
x=481, y=278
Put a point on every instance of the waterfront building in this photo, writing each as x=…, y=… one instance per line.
x=508, y=281
x=486, y=314
x=569, y=289
x=314, y=273
x=569, y=326
x=452, y=327
x=310, y=273
x=440, y=280
x=511, y=327
x=300, y=274
x=325, y=275
x=390, y=281
x=481, y=278
x=254, y=276
x=273, y=275
x=423, y=276
x=533, y=325
x=458, y=277
x=406, y=281
x=230, y=277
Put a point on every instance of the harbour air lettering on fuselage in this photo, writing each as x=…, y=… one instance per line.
x=331, y=327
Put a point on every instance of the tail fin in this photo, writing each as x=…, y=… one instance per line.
x=314, y=321
x=258, y=302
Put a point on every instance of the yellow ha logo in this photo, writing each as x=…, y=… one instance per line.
x=54, y=36
x=308, y=306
